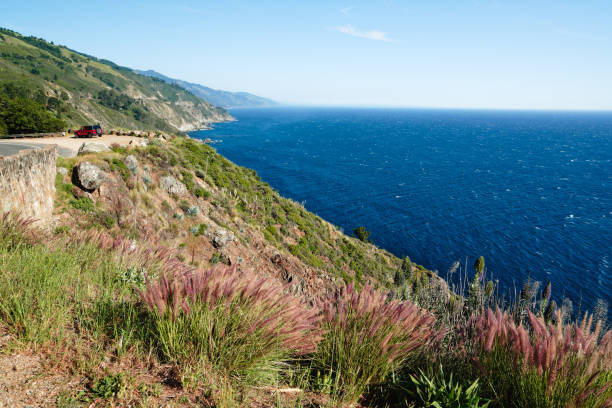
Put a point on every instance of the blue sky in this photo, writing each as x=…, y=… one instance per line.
x=517, y=54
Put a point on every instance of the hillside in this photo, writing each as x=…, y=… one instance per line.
x=220, y=201
x=169, y=276
x=81, y=89
x=217, y=97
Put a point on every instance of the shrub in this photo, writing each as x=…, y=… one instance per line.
x=436, y=391
x=551, y=365
x=184, y=205
x=362, y=234
x=107, y=220
x=240, y=323
x=193, y=211
x=219, y=258
x=367, y=338
x=110, y=386
x=120, y=166
x=146, y=178
x=83, y=204
x=202, y=193
x=198, y=230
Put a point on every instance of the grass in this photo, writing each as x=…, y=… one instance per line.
x=367, y=339
x=240, y=324
x=224, y=330
x=544, y=364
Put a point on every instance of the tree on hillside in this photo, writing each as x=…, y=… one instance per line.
x=21, y=115
x=23, y=109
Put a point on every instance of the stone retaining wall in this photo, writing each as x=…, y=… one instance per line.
x=27, y=182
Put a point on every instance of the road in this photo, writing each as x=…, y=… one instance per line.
x=68, y=146
x=7, y=149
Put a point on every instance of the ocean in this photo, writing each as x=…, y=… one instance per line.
x=529, y=191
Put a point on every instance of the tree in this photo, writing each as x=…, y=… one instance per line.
x=362, y=234
x=21, y=115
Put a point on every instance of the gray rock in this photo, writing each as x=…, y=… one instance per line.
x=63, y=171
x=221, y=237
x=138, y=142
x=93, y=147
x=172, y=186
x=131, y=163
x=89, y=176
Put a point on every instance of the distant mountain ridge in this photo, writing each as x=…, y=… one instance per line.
x=224, y=99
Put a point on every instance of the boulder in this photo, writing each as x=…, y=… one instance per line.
x=93, y=147
x=89, y=176
x=131, y=163
x=138, y=142
x=221, y=237
x=172, y=186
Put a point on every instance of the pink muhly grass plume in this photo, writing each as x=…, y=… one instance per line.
x=557, y=352
x=277, y=316
x=369, y=336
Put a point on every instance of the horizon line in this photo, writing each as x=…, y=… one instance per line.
x=416, y=107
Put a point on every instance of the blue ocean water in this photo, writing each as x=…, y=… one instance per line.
x=530, y=191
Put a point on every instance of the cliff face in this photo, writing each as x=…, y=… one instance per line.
x=82, y=89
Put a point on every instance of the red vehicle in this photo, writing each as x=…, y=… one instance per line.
x=89, y=131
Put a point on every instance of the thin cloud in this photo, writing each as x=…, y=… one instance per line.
x=376, y=35
x=346, y=11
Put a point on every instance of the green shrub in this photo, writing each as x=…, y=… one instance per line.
x=198, y=230
x=219, y=258
x=202, y=193
x=120, y=166
x=436, y=391
x=362, y=234
x=192, y=211
x=110, y=386
x=83, y=204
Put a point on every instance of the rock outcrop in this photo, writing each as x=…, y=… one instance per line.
x=221, y=237
x=172, y=186
x=89, y=176
x=131, y=163
x=93, y=147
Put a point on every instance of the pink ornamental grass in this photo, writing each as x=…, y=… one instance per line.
x=238, y=321
x=367, y=337
x=564, y=363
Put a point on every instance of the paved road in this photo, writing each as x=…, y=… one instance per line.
x=7, y=149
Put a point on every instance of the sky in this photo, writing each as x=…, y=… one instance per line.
x=493, y=54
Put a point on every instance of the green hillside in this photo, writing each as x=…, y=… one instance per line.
x=79, y=89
